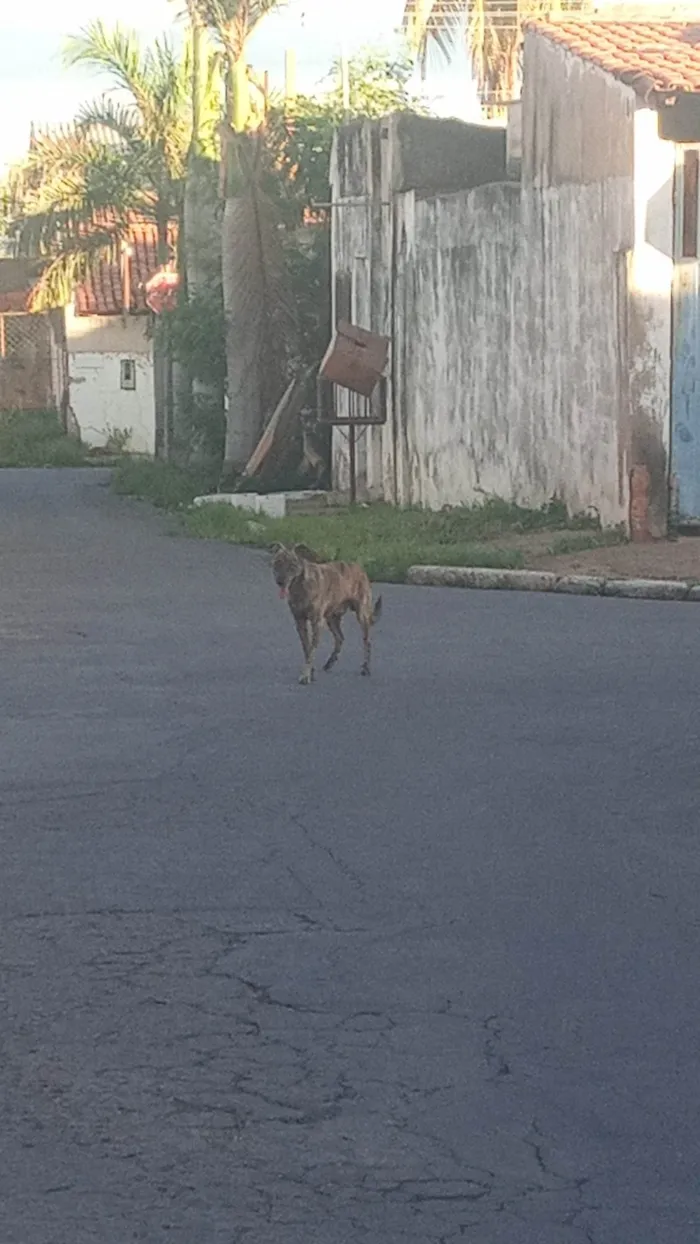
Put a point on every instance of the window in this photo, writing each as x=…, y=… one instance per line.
x=128, y=374
x=689, y=240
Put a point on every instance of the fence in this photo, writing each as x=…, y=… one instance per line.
x=27, y=364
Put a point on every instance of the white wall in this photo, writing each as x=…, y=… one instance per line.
x=650, y=285
x=530, y=322
x=90, y=334
x=96, y=347
x=100, y=404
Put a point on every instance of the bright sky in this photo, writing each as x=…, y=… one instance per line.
x=34, y=86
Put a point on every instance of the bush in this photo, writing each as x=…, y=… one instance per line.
x=36, y=438
x=164, y=484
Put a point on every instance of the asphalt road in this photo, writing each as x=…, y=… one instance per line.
x=408, y=960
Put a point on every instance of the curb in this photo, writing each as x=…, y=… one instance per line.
x=545, y=581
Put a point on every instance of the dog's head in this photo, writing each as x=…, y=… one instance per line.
x=288, y=564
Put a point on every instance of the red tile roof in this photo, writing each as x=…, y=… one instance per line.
x=102, y=292
x=649, y=56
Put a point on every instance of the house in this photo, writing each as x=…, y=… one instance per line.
x=93, y=359
x=110, y=348
x=543, y=308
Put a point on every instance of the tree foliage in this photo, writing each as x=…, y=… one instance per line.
x=490, y=30
x=125, y=153
x=299, y=138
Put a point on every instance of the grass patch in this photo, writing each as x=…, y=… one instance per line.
x=162, y=483
x=579, y=541
x=386, y=541
x=35, y=438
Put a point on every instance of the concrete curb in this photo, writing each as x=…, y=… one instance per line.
x=545, y=581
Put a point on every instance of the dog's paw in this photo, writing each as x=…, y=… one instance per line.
x=365, y=671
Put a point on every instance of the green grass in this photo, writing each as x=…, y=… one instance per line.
x=162, y=483
x=384, y=539
x=579, y=541
x=36, y=438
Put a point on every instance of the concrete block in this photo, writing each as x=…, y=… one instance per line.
x=482, y=577
x=273, y=504
x=694, y=593
x=647, y=589
x=580, y=585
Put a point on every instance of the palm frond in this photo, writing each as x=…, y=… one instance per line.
x=69, y=268
x=434, y=23
x=107, y=116
x=116, y=51
x=233, y=21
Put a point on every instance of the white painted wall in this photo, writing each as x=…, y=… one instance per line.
x=530, y=322
x=91, y=334
x=650, y=286
x=100, y=404
x=96, y=347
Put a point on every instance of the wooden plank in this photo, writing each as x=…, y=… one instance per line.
x=272, y=452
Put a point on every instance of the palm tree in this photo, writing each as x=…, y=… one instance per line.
x=492, y=30
x=124, y=153
x=200, y=313
x=257, y=311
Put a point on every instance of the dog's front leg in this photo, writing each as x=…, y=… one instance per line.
x=307, y=674
x=303, y=633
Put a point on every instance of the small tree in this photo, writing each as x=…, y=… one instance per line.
x=257, y=315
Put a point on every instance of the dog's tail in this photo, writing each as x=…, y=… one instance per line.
x=377, y=611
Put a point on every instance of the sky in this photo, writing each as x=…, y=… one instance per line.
x=34, y=86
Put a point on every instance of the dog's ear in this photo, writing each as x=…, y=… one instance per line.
x=305, y=553
x=276, y=548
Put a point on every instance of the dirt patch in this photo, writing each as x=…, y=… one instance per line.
x=662, y=559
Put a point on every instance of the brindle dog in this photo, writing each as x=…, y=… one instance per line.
x=320, y=592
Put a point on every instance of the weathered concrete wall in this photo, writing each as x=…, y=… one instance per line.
x=529, y=353
x=370, y=161
x=456, y=258
x=650, y=286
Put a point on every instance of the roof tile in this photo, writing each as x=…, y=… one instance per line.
x=657, y=55
x=102, y=293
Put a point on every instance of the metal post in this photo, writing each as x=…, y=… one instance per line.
x=353, y=464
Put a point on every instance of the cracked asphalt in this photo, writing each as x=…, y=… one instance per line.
x=412, y=960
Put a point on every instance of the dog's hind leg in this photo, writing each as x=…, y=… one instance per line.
x=364, y=617
x=336, y=631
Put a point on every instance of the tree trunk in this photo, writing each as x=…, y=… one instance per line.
x=164, y=380
x=244, y=413
x=202, y=265
x=243, y=311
